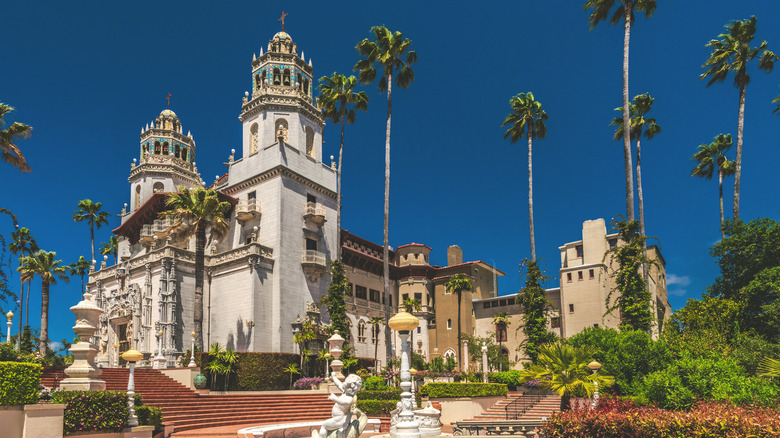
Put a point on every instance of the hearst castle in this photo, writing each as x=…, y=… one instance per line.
x=263, y=278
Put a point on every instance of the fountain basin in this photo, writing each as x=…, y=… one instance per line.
x=293, y=430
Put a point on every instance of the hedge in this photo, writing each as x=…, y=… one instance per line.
x=387, y=394
x=149, y=416
x=265, y=371
x=93, y=411
x=19, y=383
x=511, y=377
x=624, y=419
x=452, y=390
x=377, y=407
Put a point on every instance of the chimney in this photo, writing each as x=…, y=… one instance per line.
x=454, y=255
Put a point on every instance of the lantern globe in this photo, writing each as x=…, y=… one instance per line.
x=403, y=322
x=132, y=355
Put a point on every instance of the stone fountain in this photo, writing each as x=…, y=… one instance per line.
x=82, y=373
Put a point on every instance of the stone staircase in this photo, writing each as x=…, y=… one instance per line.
x=544, y=408
x=187, y=410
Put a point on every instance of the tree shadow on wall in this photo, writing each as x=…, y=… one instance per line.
x=242, y=339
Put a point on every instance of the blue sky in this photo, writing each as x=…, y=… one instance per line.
x=88, y=75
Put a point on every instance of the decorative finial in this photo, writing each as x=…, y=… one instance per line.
x=309, y=62
x=261, y=51
x=169, y=99
x=281, y=19
x=254, y=57
x=303, y=58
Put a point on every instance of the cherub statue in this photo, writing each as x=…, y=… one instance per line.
x=347, y=420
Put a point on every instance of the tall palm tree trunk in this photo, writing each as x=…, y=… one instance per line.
x=738, y=173
x=338, y=187
x=460, y=349
x=629, y=174
x=200, y=249
x=44, y=317
x=21, y=310
x=385, y=251
x=92, y=238
x=641, y=199
x=376, y=354
x=531, y=195
x=720, y=198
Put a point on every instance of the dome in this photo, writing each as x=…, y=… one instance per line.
x=168, y=113
x=282, y=36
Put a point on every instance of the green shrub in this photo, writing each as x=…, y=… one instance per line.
x=386, y=394
x=623, y=419
x=377, y=407
x=510, y=378
x=93, y=411
x=19, y=383
x=451, y=390
x=149, y=416
x=374, y=383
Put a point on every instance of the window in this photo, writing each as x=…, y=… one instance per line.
x=555, y=322
x=373, y=295
x=361, y=292
x=184, y=154
x=311, y=198
x=596, y=325
x=253, y=139
x=486, y=305
x=591, y=274
x=449, y=324
x=405, y=297
x=257, y=81
x=571, y=307
x=157, y=187
x=568, y=277
x=157, y=148
x=262, y=78
x=286, y=77
x=362, y=331
x=418, y=297
x=612, y=243
x=311, y=244
x=277, y=77
x=306, y=86
x=309, y=142
x=579, y=275
x=299, y=81
x=579, y=251
x=418, y=329
x=494, y=304
x=165, y=149
x=390, y=300
x=351, y=289
x=502, y=303
x=177, y=151
x=251, y=195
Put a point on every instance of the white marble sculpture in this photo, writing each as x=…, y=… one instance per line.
x=347, y=420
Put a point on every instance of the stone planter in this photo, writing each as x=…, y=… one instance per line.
x=130, y=432
x=32, y=421
x=458, y=409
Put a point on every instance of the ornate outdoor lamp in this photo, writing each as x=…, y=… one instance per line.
x=192, y=356
x=594, y=366
x=413, y=372
x=10, y=316
x=484, y=363
x=404, y=323
x=132, y=356
x=335, y=342
x=327, y=361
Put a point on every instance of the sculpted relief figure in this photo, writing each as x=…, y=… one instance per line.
x=347, y=420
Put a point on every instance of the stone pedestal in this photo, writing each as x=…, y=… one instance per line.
x=82, y=373
x=159, y=363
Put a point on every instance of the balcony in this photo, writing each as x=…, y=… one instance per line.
x=247, y=209
x=160, y=227
x=314, y=264
x=315, y=213
x=147, y=236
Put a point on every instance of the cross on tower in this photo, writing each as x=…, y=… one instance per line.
x=281, y=19
x=169, y=98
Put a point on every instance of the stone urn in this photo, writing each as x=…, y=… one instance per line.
x=199, y=381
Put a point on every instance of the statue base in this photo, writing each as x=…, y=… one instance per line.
x=159, y=363
x=82, y=384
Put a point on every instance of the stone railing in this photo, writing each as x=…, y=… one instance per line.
x=313, y=257
x=314, y=211
x=238, y=253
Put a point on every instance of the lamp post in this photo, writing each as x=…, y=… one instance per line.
x=192, y=356
x=116, y=356
x=404, y=323
x=594, y=366
x=10, y=316
x=413, y=372
x=327, y=363
x=131, y=356
x=484, y=363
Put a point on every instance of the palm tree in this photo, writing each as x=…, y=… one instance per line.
x=42, y=264
x=601, y=11
x=292, y=369
x=777, y=108
x=302, y=338
x=457, y=284
x=731, y=52
x=527, y=119
x=80, y=268
x=197, y=211
x=90, y=211
x=412, y=305
x=769, y=367
x=563, y=369
x=501, y=320
x=10, y=152
x=215, y=365
x=709, y=156
x=375, y=323
x=639, y=125
x=110, y=247
x=23, y=244
x=390, y=53
x=339, y=102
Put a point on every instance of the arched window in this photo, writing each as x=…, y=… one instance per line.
x=253, y=139
x=157, y=149
x=449, y=324
x=306, y=86
x=158, y=187
x=450, y=353
x=165, y=149
x=262, y=79
x=177, y=151
x=375, y=333
x=299, y=82
x=257, y=82
x=309, y=142
x=277, y=77
x=280, y=130
x=184, y=154
x=137, y=202
x=286, y=77
x=362, y=331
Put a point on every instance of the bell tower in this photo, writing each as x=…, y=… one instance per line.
x=281, y=108
x=167, y=160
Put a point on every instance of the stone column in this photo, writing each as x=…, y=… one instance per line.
x=465, y=364
x=82, y=373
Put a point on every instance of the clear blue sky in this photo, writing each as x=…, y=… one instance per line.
x=88, y=75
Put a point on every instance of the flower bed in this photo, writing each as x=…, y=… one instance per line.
x=308, y=383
